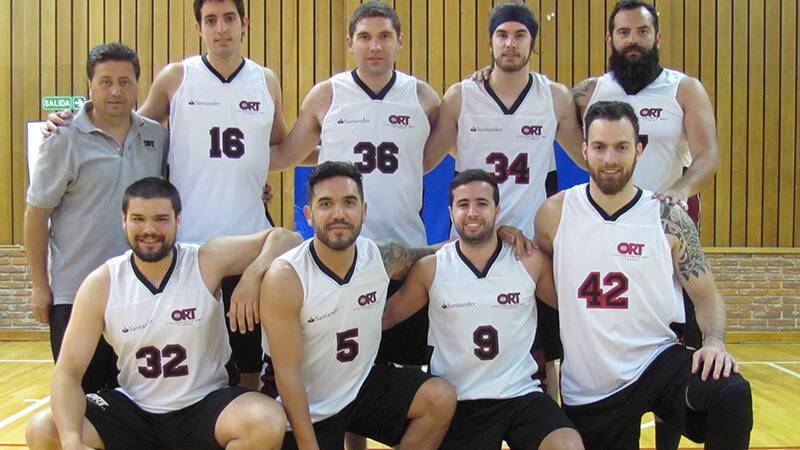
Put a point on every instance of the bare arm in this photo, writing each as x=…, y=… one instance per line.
x=540, y=269
x=398, y=260
x=281, y=300
x=156, y=105
x=412, y=295
x=80, y=340
x=701, y=134
x=304, y=136
x=694, y=273
x=581, y=94
x=443, y=135
x=251, y=256
x=36, y=234
x=546, y=223
x=568, y=134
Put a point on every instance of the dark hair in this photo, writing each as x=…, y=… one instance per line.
x=632, y=4
x=112, y=51
x=331, y=169
x=470, y=175
x=198, y=5
x=373, y=8
x=610, y=111
x=152, y=187
x=516, y=12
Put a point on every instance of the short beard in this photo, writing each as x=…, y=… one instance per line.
x=154, y=256
x=324, y=236
x=476, y=239
x=611, y=187
x=634, y=76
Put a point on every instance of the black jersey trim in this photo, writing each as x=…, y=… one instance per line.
x=489, y=263
x=156, y=290
x=517, y=103
x=621, y=211
x=382, y=93
x=219, y=75
x=340, y=281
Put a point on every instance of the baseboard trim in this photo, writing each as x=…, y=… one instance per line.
x=24, y=335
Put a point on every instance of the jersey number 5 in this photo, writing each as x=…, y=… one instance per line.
x=231, y=143
x=346, y=345
x=171, y=368
x=594, y=295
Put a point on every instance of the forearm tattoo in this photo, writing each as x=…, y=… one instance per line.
x=691, y=259
x=398, y=260
x=580, y=89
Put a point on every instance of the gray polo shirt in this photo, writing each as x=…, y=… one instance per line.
x=82, y=173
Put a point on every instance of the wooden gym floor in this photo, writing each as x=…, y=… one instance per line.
x=772, y=369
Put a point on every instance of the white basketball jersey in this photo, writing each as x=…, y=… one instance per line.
x=341, y=324
x=515, y=145
x=617, y=294
x=171, y=340
x=482, y=325
x=219, y=149
x=384, y=135
x=666, y=151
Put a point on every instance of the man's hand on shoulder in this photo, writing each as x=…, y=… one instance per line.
x=55, y=120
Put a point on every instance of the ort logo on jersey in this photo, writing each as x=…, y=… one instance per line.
x=531, y=130
x=630, y=248
x=399, y=120
x=244, y=105
x=368, y=298
x=511, y=298
x=180, y=315
x=653, y=113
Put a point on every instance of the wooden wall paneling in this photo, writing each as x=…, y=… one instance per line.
x=468, y=53
x=483, y=54
x=127, y=28
x=788, y=124
x=724, y=108
x=564, y=26
x=256, y=34
x=771, y=123
x=739, y=130
x=403, y=62
x=63, y=48
x=177, y=19
x=289, y=81
x=191, y=41
x=274, y=44
x=670, y=22
x=160, y=32
x=452, y=35
x=8, y=108
x=419, y=44
x=97, y=23
x=797, y=140
x=549, y=40
x=47, y=37
x=707, y=74
x=305, y=50
x=436, y=61
x=596, y=39
x=80, y=45
x=322, y=44
x=755, y=122
x=112, y=21
x=580, y=39
x=351, y=5
x=144, y=46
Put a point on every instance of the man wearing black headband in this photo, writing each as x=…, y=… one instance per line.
x=506, y=126
x=677, y=126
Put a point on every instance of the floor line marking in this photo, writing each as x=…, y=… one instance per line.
x=26, y=360
x=783, y=369
x=36, y=405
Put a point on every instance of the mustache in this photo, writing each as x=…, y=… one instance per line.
x=334, y=223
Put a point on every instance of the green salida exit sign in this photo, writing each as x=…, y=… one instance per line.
x=58, y=103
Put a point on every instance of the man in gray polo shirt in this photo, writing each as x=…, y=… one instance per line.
x=77, y=186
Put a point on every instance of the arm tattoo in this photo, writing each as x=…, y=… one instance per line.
x=580, y=89
x=398, y=259
x=692, y=261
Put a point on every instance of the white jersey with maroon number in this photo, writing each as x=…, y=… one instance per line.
x=514, y=144
x=171, y=340
x=482, y=325
x=617, y=294
x=219, y=149
x=666, y=151
x=341, y=324
x=384, y=135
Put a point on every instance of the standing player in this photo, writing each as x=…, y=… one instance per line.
x=507, y=125
x=482, y=326
x=157, y=306
x=82, y=173
x=379, y=119
x=678, y=131
x=618, y=292
x=321, y=308
x=224, y=112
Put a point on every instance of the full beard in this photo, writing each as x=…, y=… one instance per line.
x=154, y=255
x=634, y=76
